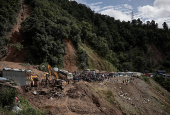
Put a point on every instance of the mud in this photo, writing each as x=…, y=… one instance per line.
x=136, y=97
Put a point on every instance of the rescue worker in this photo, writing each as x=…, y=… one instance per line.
x=16, y=100
x=46, y=78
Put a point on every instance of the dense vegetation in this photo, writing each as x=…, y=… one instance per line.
x=7, y=99
x=46, y=28
x=127, y=45
x=8, y=12
x=7, y=95
x=164, y=82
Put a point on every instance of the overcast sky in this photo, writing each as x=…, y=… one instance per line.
x=158, y=10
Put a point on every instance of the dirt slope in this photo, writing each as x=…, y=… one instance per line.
x=14, y=54
x=110, y=97
x=70, y=59
x=71, y=62
x=77, y=99
x=96, y=61
x=140, y=98
x=156, y=55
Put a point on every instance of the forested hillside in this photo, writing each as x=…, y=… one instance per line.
x=68, y=35
x=8, y=13
x=133, y=46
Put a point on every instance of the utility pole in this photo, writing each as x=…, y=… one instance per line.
x=132, y=14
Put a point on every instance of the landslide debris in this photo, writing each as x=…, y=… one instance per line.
x=110, y=97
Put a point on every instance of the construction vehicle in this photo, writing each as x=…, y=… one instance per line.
x=54, y=81
x=30, y=82
x=27, y=86
x=34, y=81
x=67, y=74
x=86, y=71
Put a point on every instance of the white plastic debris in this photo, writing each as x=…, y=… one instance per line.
x=16, y=109
x=34, y=92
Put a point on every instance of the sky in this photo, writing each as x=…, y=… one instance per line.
x=146, y=10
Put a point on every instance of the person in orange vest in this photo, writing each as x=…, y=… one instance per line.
x=17, y=106
x=16, y=100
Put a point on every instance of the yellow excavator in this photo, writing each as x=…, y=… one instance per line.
x=34, y=81
x=55, y=81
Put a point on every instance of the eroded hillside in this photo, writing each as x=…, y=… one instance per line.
x=96, y=61
x=16, y=51
x=44, y=32
x=110, y=97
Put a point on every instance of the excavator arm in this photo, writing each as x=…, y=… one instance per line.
x=51, y=70
x=54, y=82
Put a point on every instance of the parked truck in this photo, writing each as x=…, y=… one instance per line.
x=67, y=74
x=136, y=74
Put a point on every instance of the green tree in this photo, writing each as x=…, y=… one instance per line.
x=139, y=64
x=165, y=26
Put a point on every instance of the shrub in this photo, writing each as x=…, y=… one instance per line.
x=7, y=95
x=44, y=67
x=28, y=109
x=146, y=79
x=83, y=57
x=109, y=96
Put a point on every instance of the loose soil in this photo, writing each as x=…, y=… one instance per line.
x=156, y=54
x=14, y=54
x=96, y=61
x=136, y=97
x=70, y=59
